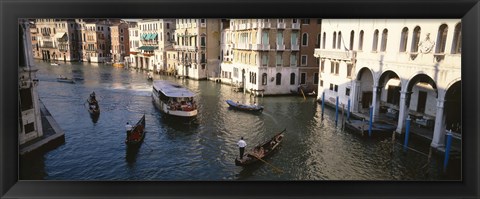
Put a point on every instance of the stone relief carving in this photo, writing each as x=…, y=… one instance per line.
x=426, y=45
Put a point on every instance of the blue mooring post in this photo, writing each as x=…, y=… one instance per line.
x=370, y=123
x=447, y=150
x=348, y=110
x=323, y=103
x=407, y=133
x=336, y=113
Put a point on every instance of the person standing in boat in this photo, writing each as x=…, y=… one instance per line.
x=241, y=146
x=128, y=127
x=92, y=96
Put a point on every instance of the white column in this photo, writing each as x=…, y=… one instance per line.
x=439, y=130
x=375, y=102
x=354, y=96
x=403, y=110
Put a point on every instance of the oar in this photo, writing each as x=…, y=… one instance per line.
x=276, y=168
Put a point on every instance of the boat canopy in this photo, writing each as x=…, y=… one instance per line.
x=171, y=89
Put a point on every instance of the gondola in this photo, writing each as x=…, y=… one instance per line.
x=243, y=107
x=137, y=134
x=93, y=107
x=65, y=79
x=260, y=151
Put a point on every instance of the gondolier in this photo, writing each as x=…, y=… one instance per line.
x=241, y=146
x=128, y=127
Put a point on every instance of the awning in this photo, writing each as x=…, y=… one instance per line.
x=60, y=34
x=144, y=36
x=153, y=36
x=148, y=48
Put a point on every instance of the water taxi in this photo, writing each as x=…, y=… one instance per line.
x=174, y=99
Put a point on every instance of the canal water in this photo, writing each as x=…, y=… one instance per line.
x=205, y=148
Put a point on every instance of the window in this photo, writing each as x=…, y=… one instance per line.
x=415, y=39
x=279, y=38
x=331, y=87
x=168, y=26
x=294, y=38
x=304, y=39
x=279, y=59
x=324, y=39
x=321, y=83
x=352, y=37
x=306, y=21
x=264, y=79
x=404, y=40
x=337, y=68
x=457, y=39
x=383, y=46
x=349, y=70
x=332, y=67
x=202, y=41
x=339, y=42
x=336, y=88
x=292, y=78
x=26, y=99
x=279, y=79
x=293, y=60
x=347, y=91
x=303, y=78
x=203, y=58
x=375, y=41
x=304, y=60
x=315, y=78
x=334, y=40
x=322, y=66
x=441, y=39
x=317, y=45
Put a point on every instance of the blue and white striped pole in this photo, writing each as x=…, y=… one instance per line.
x=370, y=122
x=336, y=113
x=447, y=150
x=407, y=133
x=348, y=110
x=323, y=103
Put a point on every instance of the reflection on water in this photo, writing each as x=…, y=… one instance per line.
x=204, y=148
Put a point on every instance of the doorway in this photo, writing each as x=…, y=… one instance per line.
x=366, y=99
x=422, y=101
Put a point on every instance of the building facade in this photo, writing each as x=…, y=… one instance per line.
x=409, y=68
x=119, y=35
x=197, y=42
x=96, y=41
x=265, y=55
x=29, y=121
x=308, y=64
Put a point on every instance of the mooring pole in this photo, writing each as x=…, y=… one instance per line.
x=370, y=123
x=323, y=103
x=447, y=150
x=348, y=110
x=336, y=113
x=407, y=133
x=343, y=115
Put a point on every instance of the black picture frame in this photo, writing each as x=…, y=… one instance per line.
x=11, y=187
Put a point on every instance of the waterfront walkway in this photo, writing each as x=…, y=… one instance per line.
x=53, y=135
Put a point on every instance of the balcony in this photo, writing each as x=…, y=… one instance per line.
x=243, y=46
x=335, y=54
x=281, y=47
x=264, y=25
x=242, y=26
x=281, y=25
x=295, y=47
x=254, y=25
x=260, y=47
x=296, y=26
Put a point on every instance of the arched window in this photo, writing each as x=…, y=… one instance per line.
x=292, y=78
x=279, y=79
x=304, y=39
x=360, y=41
x=334, y=40
x=375, y=41
x=352, y=38
x=264, y=79
x=404, y=40
x=415, y=39
x=317, y=45
x=383, y=45
x=324, y=39
x=441, y=38
x=339, y=42
x=457, y=39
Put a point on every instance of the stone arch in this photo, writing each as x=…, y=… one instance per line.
x=418, y=94
x=392, y=90
x=365, y=82
x=453, y=106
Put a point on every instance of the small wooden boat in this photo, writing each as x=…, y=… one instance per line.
x=54, y=64
x=261, y=151
x=137, y=134
x=65, y=79
x=243, y=107
x=149, y=77
x=93, y=107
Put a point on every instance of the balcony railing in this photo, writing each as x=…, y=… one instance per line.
x=260, y=47
x=335, y=54
x=265, y=25
x=296, y=26
x=295, y=47
x=281, y=47
x=254, y=25
x=281, y=25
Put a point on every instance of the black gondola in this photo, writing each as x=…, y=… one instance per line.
x=243, y=107
x=93, y=107
x=261, y=151
x=137, y=134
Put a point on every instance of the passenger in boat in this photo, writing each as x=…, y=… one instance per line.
x=92, y=96
x=128, y=127
x=241, y=146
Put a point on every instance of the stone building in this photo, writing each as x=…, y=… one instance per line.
x=197, y=42
x=119, y=35
x=308, y=64
x=56, y=39
x=265, y=54
x=408, y=67
x=96, y=41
